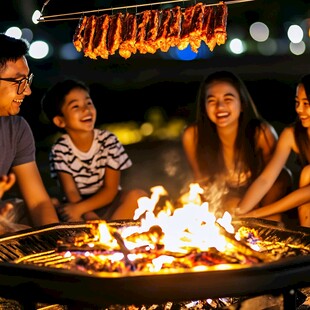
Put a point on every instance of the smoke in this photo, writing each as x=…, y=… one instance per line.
x=214, y=193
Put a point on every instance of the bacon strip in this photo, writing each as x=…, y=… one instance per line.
x=151, y=31
x=220, y=23
x=143, y=19
x=129, y=32
x=89, y=36
x=100, y=39
x=186, y=27
x=79, y=33
x=161, y=40
x=207, y=32
x=196, y=27
x=114, y=33
x=173, y=36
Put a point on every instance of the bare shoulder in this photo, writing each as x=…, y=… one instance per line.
x=189, y=132
x=287, y=135
x=266, y=136
x=268, y=129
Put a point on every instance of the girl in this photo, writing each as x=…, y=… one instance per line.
x=294, y=138
x=230, y=144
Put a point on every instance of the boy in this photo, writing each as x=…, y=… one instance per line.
x=86, y=161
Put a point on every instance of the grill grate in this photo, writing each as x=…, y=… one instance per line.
x=26, y=258
x=31, y=242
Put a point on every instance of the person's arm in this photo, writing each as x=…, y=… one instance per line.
x=104, y=196
x=38, y=202
x=189, y=142
x=266, y=179
x=290, y=201
x=69, y=187
x=267, y=141
x=67, y=211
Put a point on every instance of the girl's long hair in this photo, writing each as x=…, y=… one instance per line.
x=300, y=132
x=209, y=149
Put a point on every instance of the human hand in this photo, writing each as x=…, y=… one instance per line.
x=6, y=209
x=242, y=213
x=68, y=212
x=238, y=211
x=6, y=182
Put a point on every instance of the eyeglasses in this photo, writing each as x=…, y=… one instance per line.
x=22, y=84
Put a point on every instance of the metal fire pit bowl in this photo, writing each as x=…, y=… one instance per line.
x=29, y=283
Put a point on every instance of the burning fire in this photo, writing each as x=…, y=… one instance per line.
x=164, y=237
x=167, y=238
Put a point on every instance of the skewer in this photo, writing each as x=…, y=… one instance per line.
x=51, y=18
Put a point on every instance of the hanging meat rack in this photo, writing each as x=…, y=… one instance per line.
x=147, y=31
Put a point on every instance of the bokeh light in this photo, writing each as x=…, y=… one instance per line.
x=38, y=49
x=186, y=54
x=237, y=46
x=297, y=48
x=267, y=48
x=27, y=34
x=295, y=34
x=35, y=16
x=259, y=31
x=14, y=32
x=69, y=52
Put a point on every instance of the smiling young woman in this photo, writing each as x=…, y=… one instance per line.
x=230, y=143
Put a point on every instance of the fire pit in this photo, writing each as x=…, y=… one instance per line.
x=160, y=257
x=31, y=283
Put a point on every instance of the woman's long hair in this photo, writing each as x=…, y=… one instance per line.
x=209, y=149
x=300, y=132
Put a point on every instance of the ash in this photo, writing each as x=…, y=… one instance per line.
x=207, y=304
x=265, y=302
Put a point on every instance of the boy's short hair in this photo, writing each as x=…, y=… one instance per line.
x=54, y=98
x=11, y=49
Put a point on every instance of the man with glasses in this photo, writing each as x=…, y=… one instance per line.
x=17, y=153
x=22, y=83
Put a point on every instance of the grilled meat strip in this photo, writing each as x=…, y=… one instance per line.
x=129, y=32
x=186, y=27
x=78, y=37
x=220, y=23
x=173, y=36
x=89, y=36
x=115, y=33
x=151, y=31
x=143, y=19
x=100, y=39
x=163, y=29
x=207, y=33
x=196, y=27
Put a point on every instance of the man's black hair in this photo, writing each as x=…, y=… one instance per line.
x=11, y=49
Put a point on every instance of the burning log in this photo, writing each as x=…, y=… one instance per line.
x=244, y=248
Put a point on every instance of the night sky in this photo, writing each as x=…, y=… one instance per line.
x=124, y=90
